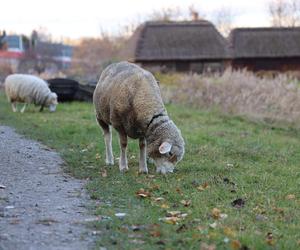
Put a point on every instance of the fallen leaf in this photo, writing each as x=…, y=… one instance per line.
x=142, y=193
x=97, y=156
x=159, y=199
x=155, y=233
x=270, y=240
x=104, y=173
x=173, y=213
x=120, y=215
x=205, y=246
x=203, y=186
x=229, y=232
x=136, y=241
x=154, y=187
x=185, y=203
x=238, y=203
x=290, y=197
x=223, y=216
x=216, y=213
x=235, y=244
x=165, y=206
x=178, y=190
x=213, y=225
x=170, y=220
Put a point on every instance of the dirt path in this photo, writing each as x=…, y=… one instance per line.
x=40, y=206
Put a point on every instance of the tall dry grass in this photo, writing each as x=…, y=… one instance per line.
x=275, y=101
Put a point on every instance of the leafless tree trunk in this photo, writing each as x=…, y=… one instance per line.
x=284, y=13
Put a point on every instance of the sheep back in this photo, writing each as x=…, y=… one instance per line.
x=127, y=97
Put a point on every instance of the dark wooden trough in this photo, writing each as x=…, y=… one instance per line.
x=85, y=92
x=64, y=88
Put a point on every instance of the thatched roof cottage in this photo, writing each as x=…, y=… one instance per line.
x=259, y=49
x=179, y=46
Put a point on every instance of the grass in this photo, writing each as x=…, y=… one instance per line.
x=226, y=158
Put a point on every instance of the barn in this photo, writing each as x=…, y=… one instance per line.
x=184, y=46
x=265, y=49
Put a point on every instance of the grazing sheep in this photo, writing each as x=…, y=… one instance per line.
x=29, y=89
x=128, y=98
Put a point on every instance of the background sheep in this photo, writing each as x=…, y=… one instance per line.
x=128, y=98
x=29, y=89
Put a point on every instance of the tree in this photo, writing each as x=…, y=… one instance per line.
x=223, y=19
x=284, y=13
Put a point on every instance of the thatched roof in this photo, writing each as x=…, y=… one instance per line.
x=265, y=42
x=161, y=41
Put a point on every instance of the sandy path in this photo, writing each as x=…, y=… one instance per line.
x=40, y=206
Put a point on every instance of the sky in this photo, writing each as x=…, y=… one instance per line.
x=88, y=18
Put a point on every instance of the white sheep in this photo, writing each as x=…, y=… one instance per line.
x=128, y=98
x=29, y=89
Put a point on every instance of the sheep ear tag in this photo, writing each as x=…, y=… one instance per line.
x=165, y=147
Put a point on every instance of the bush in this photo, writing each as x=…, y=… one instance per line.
x=272, y=100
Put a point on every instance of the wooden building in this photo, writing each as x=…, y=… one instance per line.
x=265, y=49
x=194, y=46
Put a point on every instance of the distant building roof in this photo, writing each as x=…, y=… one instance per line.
x=265, y=42
x=54, y=49
x=191, y=40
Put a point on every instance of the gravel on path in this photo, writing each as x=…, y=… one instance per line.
x=41, y=207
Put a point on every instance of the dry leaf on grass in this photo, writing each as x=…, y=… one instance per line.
x=142, y=193
x=104, y=173
x=216, y=213
x=165, y=206
x=290, y=197
x=213, y=225
x=173, y=217
x=235, y=244
x=170, y=220
x=159, y=199
x=270, y=240
x=205, y=246
x=229, y=232
x=203, y=186
x=186, y=203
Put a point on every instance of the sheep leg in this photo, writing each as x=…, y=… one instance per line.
x=108, y=142
x=143, y=162
x=123, y=164
x=14, y=106
x=23, y=108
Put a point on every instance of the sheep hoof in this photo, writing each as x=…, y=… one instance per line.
x=143, y=171
x=109, y=163
x=124, y=169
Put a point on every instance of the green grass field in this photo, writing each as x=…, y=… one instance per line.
x=227, y=158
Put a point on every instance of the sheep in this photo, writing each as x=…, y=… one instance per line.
x=128, y=99
x=29, y=89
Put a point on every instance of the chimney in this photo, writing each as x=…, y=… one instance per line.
x=195, y=15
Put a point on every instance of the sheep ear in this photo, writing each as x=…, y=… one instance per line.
x=165, y=147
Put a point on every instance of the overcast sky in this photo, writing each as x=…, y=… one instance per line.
x=86, y=18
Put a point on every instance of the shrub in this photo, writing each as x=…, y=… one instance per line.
x=272, y=100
